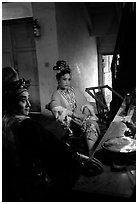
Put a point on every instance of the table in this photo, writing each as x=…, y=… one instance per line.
x=111, y=184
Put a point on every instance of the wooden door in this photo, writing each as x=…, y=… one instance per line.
x=18, y=50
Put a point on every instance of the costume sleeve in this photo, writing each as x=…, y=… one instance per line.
x=58, y=110
x=55, y=105
x=91, y=110
x=59, y=159
x=55, y=100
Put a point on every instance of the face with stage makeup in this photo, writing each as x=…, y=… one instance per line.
x=63, y=74
x=16, y=97
x=64, y=81
x=22, y=104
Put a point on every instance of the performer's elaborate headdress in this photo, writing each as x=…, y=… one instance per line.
x=61, y=65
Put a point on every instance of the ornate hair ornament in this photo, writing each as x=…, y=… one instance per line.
x=61, y=65
x=17, y=87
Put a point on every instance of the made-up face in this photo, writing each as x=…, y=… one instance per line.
x=64, y=82
x=23, y=105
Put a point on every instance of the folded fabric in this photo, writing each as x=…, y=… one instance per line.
x=62, y=115
x=91, y=109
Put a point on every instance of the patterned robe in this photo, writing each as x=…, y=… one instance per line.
x=63, y=104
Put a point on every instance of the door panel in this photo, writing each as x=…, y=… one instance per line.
x=27, y=65
x=6, y=39
x=23, y=35
x=7, y=59
x=18, y=50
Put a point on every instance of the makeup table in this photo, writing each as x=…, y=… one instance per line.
x=112, y=184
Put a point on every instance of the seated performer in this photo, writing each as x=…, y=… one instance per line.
x=69, y=106
x=33, y=160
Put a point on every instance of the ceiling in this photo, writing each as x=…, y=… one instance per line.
x=103, y=18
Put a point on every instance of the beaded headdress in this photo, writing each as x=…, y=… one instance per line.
x=61, y=65
x=16, y=87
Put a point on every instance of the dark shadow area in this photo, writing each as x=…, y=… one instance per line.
x=49, y=123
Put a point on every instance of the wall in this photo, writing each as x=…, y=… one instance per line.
x=16, y=10
x=76, y=45
x=46, y=48
x=64, y=35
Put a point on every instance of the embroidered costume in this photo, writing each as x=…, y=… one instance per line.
x=69, y=106
x=64, y=104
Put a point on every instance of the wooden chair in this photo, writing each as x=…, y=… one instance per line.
x=103, y=111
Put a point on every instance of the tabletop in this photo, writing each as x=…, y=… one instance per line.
x=116, y=182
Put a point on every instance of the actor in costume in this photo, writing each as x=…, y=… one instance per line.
x=70, y=106
x=36, y=166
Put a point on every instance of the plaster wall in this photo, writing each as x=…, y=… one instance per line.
x=76, y=46
x=46, y=49
x=16, y=10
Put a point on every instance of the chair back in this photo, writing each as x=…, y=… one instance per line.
x=101, y=107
